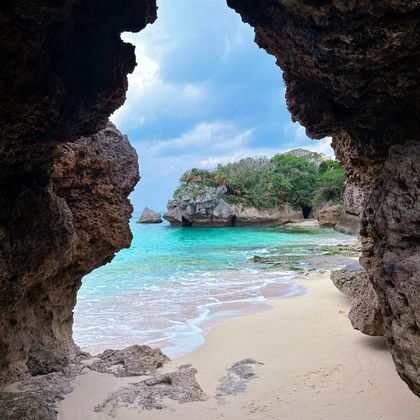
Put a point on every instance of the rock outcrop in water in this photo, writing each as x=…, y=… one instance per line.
x=150, y=216
x=351, y=72
x=204, y=206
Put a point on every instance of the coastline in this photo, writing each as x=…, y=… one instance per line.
x=315, y=367
x=205, y=273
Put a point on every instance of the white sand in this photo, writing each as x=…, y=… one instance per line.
x=315, y=367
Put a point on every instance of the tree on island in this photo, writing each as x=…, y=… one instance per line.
x=300, y=177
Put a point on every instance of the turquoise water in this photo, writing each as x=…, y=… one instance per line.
x=172, y=284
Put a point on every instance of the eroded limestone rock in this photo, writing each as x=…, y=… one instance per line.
x=149, y=394
x=351, y=72
x=349, y=220
x=25, y=406
x=349, y=280
x=365, y=313
x=135, y=360
x=328, y=214
x=63, y=199
x=200, y=205
x=348, y=223
x=391, y=253
x=63, y=213
x=251, y=216
x=150, y=216
x=64, y=66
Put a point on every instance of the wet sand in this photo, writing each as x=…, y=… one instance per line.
x=315, y=367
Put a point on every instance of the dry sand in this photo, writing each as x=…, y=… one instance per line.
x=315, y=367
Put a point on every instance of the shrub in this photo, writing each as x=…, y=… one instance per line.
x=294, y=179
x=299, y=177
x=330, y=184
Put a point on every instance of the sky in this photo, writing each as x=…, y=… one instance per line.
x=203, y=93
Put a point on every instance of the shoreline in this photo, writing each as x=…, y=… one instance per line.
x=139, y=313
x=315, y=367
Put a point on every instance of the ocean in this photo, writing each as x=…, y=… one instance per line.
x=173, y=284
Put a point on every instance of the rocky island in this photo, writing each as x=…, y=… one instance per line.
x=287, y=188
x=150, y=216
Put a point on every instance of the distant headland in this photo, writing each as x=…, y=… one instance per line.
x=289, y=187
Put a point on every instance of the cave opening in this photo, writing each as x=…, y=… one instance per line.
x=307, y=211
x=198, y=97
x=378, y=146
x=185, y=222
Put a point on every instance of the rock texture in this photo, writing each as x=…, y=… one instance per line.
x=200, y=205
x=328, y=214
x=251, y=216
x=25, y=406
x=63, y=189
x=132, y=361
x=64, y=65
x=365, y=314
x=348, y=280
x=349, y=220
x=64, y=211
x=351, y=72
x=150, y=216
x=348, y=223
x=237, y=378
x=151, y=393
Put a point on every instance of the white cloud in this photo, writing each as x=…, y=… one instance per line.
x=149, y=96
x=213, y=161
x=204, y=138
x=208, y=144
x=323, y=146
x=297, y=134
x=204, y=145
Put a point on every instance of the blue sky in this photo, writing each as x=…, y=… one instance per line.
x=203, y=93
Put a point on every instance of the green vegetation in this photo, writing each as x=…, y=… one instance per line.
x=299, y=177
x=330, y=183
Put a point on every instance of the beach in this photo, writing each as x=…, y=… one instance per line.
x=315, y=366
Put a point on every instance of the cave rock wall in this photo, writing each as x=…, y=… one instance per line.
x=69, y=216
x=65, y=173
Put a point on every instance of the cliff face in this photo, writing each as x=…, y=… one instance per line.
x=68, y=217
x=64, y=65
x=63, y=197
x=328, y=214
x=351, y=72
